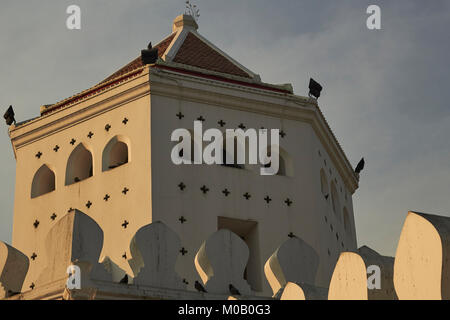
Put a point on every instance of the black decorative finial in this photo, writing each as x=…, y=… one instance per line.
x=360, y=166
x=149, y=55
x=314, y=89
x=9, y=116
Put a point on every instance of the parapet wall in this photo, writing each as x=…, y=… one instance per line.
x=419, y=271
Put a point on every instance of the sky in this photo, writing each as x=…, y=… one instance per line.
x=386, y=92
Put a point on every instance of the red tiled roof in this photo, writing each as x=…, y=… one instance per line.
x=195, y=52
x=137, y=63
x=90, y=92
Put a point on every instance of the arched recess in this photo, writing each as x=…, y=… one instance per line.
x=324, y=184
x=335, y=200
x=43, y=182
x=116, y=153
x=79, y=165
x=285, y=163
x=237, y=147
x=346, y=218
x=181, y=152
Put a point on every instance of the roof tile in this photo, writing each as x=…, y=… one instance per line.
x=195, y=52
x=137, y=63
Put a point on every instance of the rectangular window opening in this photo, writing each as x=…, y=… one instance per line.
x=247, y=230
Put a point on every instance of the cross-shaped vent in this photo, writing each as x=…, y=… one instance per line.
x=180, y=115
x=182, y=219
x=204, y=189
x=247, y=196
x=267, y=199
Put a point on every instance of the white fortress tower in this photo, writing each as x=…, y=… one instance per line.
x=106, y=152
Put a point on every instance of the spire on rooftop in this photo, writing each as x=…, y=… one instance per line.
x=184, y=21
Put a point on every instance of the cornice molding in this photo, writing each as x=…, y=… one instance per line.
x=79, y=112
x=195, y=89
x=282, y=106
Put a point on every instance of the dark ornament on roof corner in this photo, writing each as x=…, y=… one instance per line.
x=149, y=55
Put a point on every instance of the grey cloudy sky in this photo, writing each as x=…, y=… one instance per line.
x=386, y=93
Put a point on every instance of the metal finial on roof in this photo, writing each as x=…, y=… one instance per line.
x=192, y=10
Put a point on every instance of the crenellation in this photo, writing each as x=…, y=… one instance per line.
x=220, y=261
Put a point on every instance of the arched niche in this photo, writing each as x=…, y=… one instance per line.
x=43, y=181
x=285, y=163
x=346, y=218
x=324, y=188
x=79, y=165
x=116, y=153
x=335, y=201
x=238, y=147
x=182, y=154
